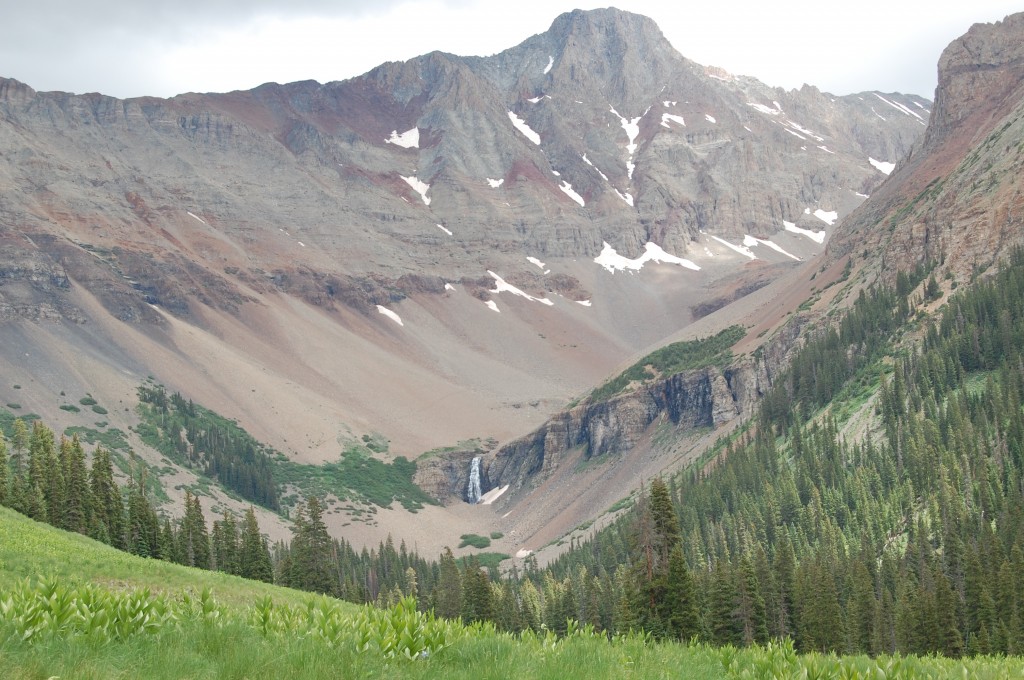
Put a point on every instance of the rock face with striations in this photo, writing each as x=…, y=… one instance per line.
x=708, y=397
x=956, y=200
x=597, y=130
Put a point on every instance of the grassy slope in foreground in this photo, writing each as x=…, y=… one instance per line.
x=29, y=549
x=234, y=644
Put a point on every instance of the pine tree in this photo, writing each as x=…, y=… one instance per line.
x=19, y=443
x=194, y=536
x=477, y=599
x=108, y=503
x=723, y=623
x=312, y=549
x=224, y=541
x=78, y=505
x=750, y=609
x=44, y=475
x=142, y=533
x=448, y=592
x=681, y=614
x=254, y=555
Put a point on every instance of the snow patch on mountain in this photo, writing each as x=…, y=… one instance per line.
x=816, y=236
x=495, y=183
x=829, y=217
x=521, y=125
x=551, y=62
x=502, y=286
x=742, y=250
x=882, y=166
x=567, y=189
x=749, y=240
x=627, y=197
x=632, y=128
x=391, y=315
x=709, y=118
x=444, y=229
x=667, y=118
x=410, y=139
x=535, y=261
x=418, y=186
x=612, y=261
x=901, y=108
x=493, y=305
x=767, y=110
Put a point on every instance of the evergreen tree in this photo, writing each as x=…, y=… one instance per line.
x=224, y=541
x=680, y=614
x=194, y=537
x=78, y=502
x=108, y=504
x=254, y=556
x=723, y=622
x=477, y=599
x=448, y=593
x=750, y=609
x=143, y=528
x=19, y=444
x=311, y=550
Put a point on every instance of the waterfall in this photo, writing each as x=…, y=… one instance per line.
x=473, y=487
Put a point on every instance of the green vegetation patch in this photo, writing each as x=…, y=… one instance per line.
x=486, y=560
x=212, y=445
x=357, y=475
x=475, y=540
x=681, y=356
x=113, y=439
x=70, y=408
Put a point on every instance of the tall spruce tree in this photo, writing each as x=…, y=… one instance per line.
x=108, y=503
x=448, y=592
x=194, y=537
x=254, y=554
x=78, y=502
x=312, y=565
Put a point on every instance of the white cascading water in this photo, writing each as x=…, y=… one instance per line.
x=473, y=488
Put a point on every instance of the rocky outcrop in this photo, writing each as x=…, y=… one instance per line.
x=956, y=200
x=707, y=397
x=445, y=476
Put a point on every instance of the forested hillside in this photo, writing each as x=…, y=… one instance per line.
x=904, y=535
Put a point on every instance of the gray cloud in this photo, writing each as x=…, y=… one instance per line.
x=107, y=44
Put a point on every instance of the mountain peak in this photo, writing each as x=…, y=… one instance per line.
x=980, y=75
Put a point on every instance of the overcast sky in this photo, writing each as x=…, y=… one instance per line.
x=128, y=48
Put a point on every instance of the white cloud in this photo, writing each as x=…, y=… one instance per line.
x=167, y=46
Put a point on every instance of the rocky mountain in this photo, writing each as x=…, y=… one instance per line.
x=956, y=199
x=444, y=249
x=952, y=206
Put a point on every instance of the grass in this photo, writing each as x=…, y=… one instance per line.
x=475, y=540
x=29, y=548
x=247, y=629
